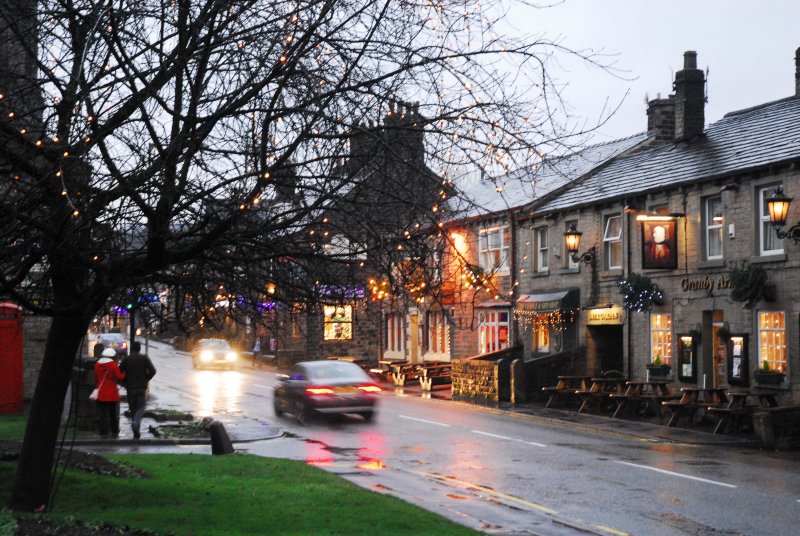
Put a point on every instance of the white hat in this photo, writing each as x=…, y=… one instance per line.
x=109, y=352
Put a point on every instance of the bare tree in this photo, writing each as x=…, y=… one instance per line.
x=202, y=143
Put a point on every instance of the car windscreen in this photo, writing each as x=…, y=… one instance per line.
x=337, y=371
x=215, y=344
x=112, y=337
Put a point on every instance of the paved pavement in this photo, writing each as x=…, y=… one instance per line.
x=243, y=429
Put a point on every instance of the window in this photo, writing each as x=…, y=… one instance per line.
x=661, y=338
x=612, y=242
x=395, y=333
x=338, y=322
x=494, y=247
x=542, y=249
x=541, y=337
x=492, y=331
x=438, y=333
x=768, y=241
x=571, y=264
x=713, y=220
x=772, y=340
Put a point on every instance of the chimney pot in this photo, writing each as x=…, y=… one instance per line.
x=690, y=99
x=690, y=59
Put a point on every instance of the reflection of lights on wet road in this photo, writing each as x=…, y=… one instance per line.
x=219, y=392
x=372, y=451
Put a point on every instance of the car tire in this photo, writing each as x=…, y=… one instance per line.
x=301, y=413
x=276, y=408
x=368, y=415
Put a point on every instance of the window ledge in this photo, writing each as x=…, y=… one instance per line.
x=576, y=270
x=545, y=273
x=777, y=257
x=713, y=263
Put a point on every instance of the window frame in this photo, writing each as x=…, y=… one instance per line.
x=710, y=228
x=486, y=253
x=330, y=325
x=781, y=361
x=491, y=328
x=611, y=242
x=765, y=228
x=542, y=252
x=395, y=333
x=663, y=347
x=437, y=329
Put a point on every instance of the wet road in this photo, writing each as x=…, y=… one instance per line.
x=504, y=473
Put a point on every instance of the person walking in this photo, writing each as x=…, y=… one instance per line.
x=138, y=370
x=107, y=374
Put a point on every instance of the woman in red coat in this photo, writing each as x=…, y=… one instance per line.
x=107, y=374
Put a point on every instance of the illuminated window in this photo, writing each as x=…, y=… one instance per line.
x=612, y=242
x=772, y=340
x=295, y=328
x=713, y=220
x=492, y=331
x=395, y=333
x=541, y=337
x=661, y=338
x=494, y=248
x=438, y=333
x=338, y=322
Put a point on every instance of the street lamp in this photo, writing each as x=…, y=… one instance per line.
x=572, y=238
x=778, y=206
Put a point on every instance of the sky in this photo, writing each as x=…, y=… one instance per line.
x=747, y=46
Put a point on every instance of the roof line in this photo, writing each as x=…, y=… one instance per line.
x=758, y=107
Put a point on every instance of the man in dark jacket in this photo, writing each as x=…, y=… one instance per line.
x=138, y=371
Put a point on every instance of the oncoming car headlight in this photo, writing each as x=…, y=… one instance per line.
x=230, y=356
x=206, y=355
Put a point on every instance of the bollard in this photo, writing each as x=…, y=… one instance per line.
x=220, y=442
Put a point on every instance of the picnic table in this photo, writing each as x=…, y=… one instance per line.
x=692, y=399
x=565, y=387
x=600, y=391
x=741, y=404
x=435, y=372
x=651, y=392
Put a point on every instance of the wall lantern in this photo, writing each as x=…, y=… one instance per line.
x=778, y=206
x=572, y=239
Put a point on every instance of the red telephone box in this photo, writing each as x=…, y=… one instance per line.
x=11, y=381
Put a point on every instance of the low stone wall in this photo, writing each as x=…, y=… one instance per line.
x=484, y=379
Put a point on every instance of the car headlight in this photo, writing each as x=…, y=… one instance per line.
x=230, y=356
x=206, y=355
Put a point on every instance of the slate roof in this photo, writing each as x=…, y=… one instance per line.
x=742, y=140
x=524, y=186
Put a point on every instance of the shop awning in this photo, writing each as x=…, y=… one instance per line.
x=488, y=304
x=551, y=301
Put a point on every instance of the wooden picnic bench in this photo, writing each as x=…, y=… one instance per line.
x=565, y=388
x=441, y=372
x=600, y=391
x=651, y=393
x=692, y=399
x=403, y=372
x=741, y=404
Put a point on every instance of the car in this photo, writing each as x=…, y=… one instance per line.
x=326, y=387
x=214, y=353
x=116, y=341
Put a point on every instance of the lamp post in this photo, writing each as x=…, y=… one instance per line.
x=778, y=206
x=572, y=239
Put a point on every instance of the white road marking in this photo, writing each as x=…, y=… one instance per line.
x=509, y=438
x=425, y=421
x=664, y=471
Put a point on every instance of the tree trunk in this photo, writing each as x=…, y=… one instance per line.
x=35, y=468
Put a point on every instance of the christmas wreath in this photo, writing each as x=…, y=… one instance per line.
x=750, y=285
x=639, y=293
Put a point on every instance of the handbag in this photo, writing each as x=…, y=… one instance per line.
x=96, y=392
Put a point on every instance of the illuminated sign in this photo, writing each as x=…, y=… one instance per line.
x=605, y=316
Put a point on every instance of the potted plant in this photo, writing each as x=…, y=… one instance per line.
x=768, y=376
x=658, y=369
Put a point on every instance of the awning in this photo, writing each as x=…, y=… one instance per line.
x=488, y=304
x=551, y=301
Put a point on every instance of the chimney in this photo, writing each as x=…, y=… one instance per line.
x=661, y=118
x=690, y=99
x=797, y=72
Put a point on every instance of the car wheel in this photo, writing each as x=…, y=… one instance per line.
x=301, y=413
x=368, y=415
x=276, y=407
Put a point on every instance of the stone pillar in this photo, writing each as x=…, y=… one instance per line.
x=518, y=394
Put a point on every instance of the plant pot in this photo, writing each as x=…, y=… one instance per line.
x=659, y=371
x=768, y=378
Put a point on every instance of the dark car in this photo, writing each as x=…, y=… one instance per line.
x=326, y=387
x=214, y=353
x=116, y=341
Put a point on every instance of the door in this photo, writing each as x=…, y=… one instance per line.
x=608, y=347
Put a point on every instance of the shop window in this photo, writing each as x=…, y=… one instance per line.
x=612, y=242
x=438, y=333
x=494, y=249
x=768, y=241
x=338, y=322
x=541, y=337
x=295, y=327
x=772, y=340
x=493, y=330
x=395, y=333
x=542, y=249
x=713, y=221
x=661, y=338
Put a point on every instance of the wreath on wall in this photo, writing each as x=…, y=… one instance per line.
x=750, y=284
x=639, y=293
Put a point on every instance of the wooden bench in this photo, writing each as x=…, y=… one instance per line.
x=401, y=373
x=600, y=391
x=565, y=388
x=439, y=373
x=726, y=414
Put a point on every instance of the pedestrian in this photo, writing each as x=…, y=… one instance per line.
x=138, y=370
x=107, y=374
x=97, y=351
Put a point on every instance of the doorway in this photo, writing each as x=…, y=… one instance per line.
x=608, y=347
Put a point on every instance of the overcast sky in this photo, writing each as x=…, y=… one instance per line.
x=748, y=47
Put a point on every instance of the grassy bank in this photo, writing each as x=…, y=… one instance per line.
x=228, y=495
